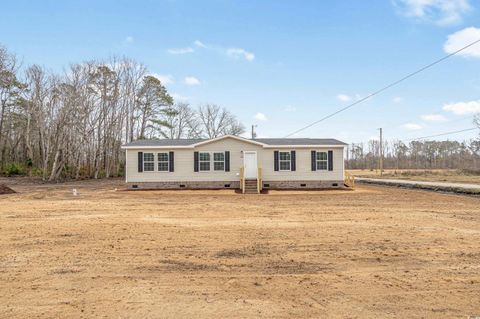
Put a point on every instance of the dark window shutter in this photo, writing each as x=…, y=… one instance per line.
x=227, y=161
x=293, y=165
x=330, y=160
x=171, y=162
x=314, y=160
x=195, y=161
x=275, y=161
x=140, y=162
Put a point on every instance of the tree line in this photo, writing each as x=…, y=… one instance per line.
x=415, y=155
x=72, y=124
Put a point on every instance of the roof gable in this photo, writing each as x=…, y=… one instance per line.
x=238, y=138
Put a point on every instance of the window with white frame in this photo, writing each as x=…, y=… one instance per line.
x=285, y=161
x=204, y=161
x=162, y=162
x=219, y=161
x=148, y=162
x=322, y=161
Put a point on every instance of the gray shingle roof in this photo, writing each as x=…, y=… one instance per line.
x=299, y=141
x=166, y=142
x=268, y=141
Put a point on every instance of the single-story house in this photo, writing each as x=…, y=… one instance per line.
x=235, y=162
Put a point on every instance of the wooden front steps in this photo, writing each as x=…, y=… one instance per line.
x=251, y=186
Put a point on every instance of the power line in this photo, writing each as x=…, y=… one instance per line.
x=441, y=134
x=385, y=88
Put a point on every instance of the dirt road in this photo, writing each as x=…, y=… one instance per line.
x=373, y=252
x=472, y=189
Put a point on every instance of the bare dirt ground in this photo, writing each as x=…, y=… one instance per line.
x=429, y=175
x=372, y=252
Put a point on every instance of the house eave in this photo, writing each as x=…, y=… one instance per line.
x=238, y=138
x=150, y=147
x=305, y=146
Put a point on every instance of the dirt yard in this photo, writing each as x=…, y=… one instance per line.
x=106, y=253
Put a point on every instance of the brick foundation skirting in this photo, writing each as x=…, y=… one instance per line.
x=236, y=185
x=183, y=185
x=302, y=184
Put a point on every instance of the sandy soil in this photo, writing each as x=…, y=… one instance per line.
x=431, y=175
x=372, y=252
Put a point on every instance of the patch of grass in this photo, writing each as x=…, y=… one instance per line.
x=471, y=172
x=231, y=253
x=13, y=169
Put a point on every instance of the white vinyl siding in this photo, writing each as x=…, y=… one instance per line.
x=184, y=168
x=322, y=161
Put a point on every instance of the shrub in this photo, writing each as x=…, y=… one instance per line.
x=14, y=169
x=36, y=171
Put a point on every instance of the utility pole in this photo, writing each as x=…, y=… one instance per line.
x=254, y=135
x=381, y=151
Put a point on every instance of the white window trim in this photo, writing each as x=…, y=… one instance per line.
x=280, y=160
x=317, y=161
x=143, y=162
x=212, y=162
x=200, y=161
x=157, y=162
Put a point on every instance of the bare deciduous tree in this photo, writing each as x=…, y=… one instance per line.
x=216, y=121
x=72, y=125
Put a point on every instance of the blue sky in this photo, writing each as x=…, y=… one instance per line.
x=278, y=64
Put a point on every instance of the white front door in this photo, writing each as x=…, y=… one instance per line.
x=250, y=162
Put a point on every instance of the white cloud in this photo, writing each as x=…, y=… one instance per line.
x=344, y=98
x=180, y=50
x=434, y=118
x=200, y=44
x=233, y=52
x=129, y=39
x=164, y=78
x=179, y=98
x=191, y=80
x=260, y=117
x=237, y=53
x=461, y=108
x=412, y=126
x=397, y=99
x=462, y=38
x=440, y=12
x=290, y=108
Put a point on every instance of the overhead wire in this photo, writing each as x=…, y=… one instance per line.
x=385, y=88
